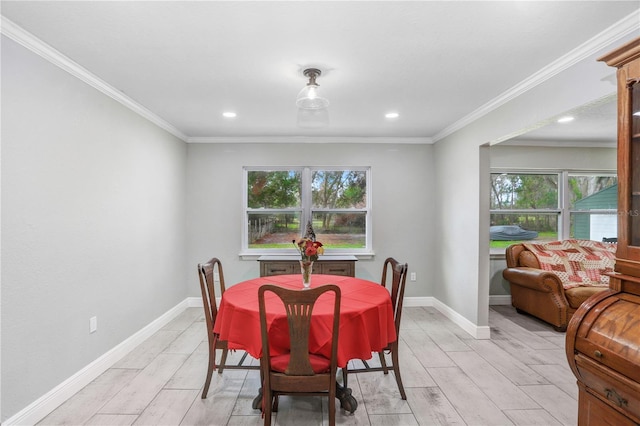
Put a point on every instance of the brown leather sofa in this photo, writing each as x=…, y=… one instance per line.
x=540, y=293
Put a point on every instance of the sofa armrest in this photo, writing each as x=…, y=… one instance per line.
x=535, y=279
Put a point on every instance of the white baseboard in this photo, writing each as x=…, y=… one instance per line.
x=502, y=299
x=196, y=302
x=40, y=408
x=44, y=405
x=478, y=332
x=418, y=301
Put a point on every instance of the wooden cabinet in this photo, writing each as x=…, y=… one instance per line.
x=603, y=349
x=627, y=60
x=332, y=265
x=592, y=411
x=603, y=336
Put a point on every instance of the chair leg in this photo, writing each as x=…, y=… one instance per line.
x=332, y=406
x=344, y=376
x=212, y=366
x=223, y=360
x=396, y=369
x=383, y=362
x=266, y=406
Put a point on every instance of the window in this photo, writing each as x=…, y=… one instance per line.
x=551, y=206
x=280, y=201
x=593, y=206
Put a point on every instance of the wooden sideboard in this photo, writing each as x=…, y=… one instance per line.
x=332, y=265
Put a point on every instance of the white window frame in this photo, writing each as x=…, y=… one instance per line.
x=306, y=210
x=564, y=211
x=566, y=208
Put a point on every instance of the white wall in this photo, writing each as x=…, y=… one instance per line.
x=402, y=182
x=553, y=158
x=93, y=224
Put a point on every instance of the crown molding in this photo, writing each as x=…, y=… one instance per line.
x=47, y=52
x=560, y=143
x=309, y=139
x=592, y=46
x=620, y=29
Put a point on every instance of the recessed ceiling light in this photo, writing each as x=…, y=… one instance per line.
x=392, y=115
x=565, y=119
x=229, y=114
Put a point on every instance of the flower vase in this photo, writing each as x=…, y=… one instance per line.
x=306, y=266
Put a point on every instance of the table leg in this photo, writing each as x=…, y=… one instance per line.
x=257, y=401
x=347, y=401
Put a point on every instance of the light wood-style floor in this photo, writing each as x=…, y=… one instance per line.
x=520, y=376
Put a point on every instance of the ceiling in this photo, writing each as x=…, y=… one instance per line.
x=436, y=63
x=593, y=125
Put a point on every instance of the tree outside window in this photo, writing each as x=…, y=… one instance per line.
x=279, y=203
x=556, y=206
x=525, y=200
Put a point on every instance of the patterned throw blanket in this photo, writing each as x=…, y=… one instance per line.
x=576, y=262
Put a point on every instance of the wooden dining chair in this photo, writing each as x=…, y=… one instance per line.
x=207, y=287
x=298, y=372
x=396, y=280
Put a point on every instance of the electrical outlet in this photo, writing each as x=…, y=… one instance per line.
x=413, y=276
x=93, y=324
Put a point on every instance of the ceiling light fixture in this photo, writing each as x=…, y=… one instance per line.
x=229, y=114
x=308, y=98
x=392, y=115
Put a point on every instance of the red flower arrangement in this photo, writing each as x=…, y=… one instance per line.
x=309, y=249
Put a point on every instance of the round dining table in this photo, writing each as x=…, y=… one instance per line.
x=366, y=320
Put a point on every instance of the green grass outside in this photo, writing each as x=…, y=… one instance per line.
x=271, y=246
x=542, y=236
x=286, y=246
x=289, y=227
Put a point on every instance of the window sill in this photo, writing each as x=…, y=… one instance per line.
x=496, y=255
x=256, y=256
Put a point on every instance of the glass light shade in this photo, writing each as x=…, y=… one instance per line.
x=313, y=118
x=308, y=98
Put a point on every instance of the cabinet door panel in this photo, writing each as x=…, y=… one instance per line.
x=279, y=268
x=593, y=412
x=337, y=268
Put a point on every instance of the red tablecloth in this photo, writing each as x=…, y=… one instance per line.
x=366, y=317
